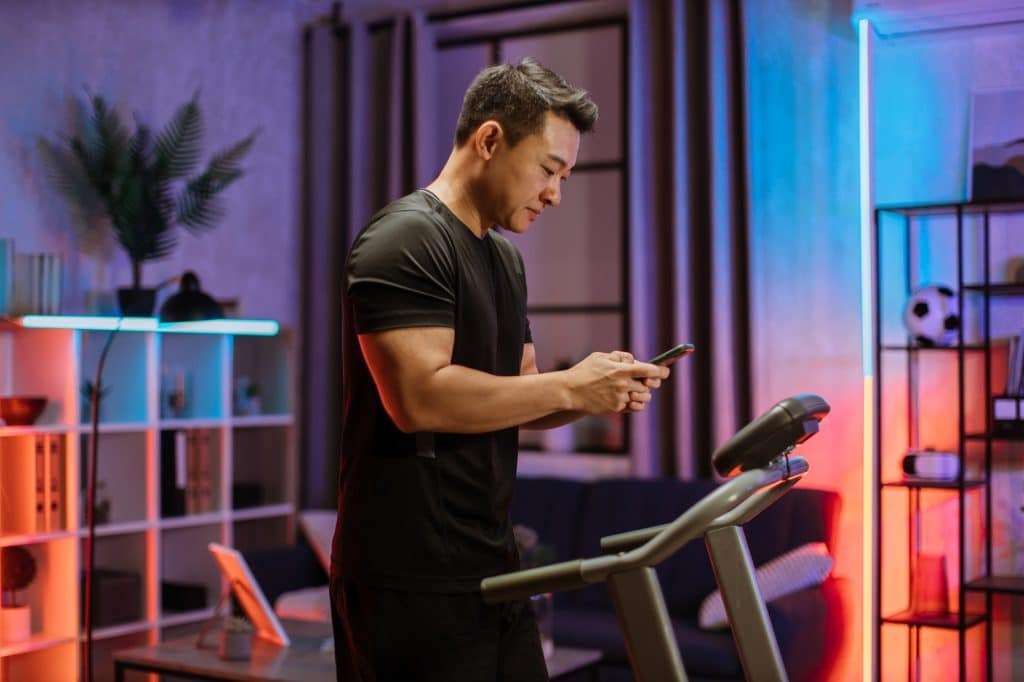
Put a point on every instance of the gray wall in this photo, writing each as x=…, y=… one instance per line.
x=148, y=57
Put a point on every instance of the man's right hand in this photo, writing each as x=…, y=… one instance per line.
x=603, y=382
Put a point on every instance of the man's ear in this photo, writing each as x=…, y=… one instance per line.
x=487, y=137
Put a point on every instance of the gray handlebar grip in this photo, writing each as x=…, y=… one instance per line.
x=522, y=584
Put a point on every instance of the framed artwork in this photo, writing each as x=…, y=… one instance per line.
x=996, y=155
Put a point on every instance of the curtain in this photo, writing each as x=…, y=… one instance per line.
x=367, y=116
x=689, y=226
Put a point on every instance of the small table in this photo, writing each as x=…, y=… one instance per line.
x=301, y=662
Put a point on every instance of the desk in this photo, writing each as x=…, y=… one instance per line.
x=301, y=662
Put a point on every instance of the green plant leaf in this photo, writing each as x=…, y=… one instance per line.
x=177, y=146
x=67, y=174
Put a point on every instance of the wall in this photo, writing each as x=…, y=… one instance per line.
x=244, y=56
x=801, y=71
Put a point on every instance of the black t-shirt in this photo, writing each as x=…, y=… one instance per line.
x=427, y=511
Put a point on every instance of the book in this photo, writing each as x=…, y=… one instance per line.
x=42, y=501
x=57, y=511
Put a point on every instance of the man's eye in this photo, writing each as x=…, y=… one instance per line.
x=548, y=171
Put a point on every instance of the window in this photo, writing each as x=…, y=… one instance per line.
x=576, y=256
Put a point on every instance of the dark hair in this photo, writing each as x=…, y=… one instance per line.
x=517, y=96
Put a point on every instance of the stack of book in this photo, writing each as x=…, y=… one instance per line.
x=38, y=282
x=1015, y=373
x=34, y=499
x=187, y=472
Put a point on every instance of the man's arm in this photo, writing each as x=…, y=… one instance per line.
x=555, y=419
x=423, y=391
x=637, y=400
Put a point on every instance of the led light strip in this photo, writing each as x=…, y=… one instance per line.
x=236, y=327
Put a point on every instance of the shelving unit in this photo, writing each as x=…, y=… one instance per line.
x=52, y=357
x=905, y=376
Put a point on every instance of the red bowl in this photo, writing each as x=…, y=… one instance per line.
x=20, y=410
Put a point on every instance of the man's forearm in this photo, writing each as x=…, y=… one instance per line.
x=457, y=399
x=553, y=420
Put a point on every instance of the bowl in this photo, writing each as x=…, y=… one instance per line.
x=21, y=410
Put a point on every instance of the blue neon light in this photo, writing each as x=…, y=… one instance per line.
x=235, y=327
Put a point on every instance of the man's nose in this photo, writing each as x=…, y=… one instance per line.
x=552, y=195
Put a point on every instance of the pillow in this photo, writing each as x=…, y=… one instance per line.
x=318, y=527
x=803, y=567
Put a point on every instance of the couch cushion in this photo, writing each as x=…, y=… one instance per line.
x=795, y=570
x=552, y=507
x=710, y=654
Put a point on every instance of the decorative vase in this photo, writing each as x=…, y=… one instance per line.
x=931, y=586
x=544, y=610
x=15, y=623
x=136, y=302
x=236, y=645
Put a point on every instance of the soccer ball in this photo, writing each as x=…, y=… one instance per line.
x=931, y=316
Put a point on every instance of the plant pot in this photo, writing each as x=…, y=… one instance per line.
x=15, y=624
x=136, y=302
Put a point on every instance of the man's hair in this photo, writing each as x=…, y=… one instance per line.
x=518, y=96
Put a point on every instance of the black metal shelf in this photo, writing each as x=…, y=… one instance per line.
x=972, y=220
x=948, y=621
x=997, y=289
x=970, y=347
x=994, y=437
x=936, y=485
x=951, y=208
x=998, y=584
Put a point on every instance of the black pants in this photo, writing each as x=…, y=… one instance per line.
x=385, y=635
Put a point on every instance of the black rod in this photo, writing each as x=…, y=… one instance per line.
x=877, y=389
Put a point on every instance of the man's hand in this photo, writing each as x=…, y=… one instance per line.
x=613, y=382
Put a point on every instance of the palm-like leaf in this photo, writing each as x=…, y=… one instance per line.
x=70, y=178
x=198, y=208
x=177, y=146
x=131, y=177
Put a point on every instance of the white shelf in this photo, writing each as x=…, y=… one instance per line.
x=187, y=617
x=34, y=430
x=262, y=420
x=38, y=641
x=262, y=512
x=196, y=423
x=118, y=427
x=119, y=630
x=124, y=528
x=33, y=538
x=54, y=362
x=192, y=520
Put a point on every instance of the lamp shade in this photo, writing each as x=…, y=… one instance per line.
x=190, y=303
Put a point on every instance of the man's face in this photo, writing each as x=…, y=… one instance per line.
x=526, y=179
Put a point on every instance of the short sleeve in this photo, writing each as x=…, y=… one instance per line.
x=401, y=273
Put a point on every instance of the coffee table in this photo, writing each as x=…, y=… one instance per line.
x=301, y=662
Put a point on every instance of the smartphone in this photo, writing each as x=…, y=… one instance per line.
x=672, y=354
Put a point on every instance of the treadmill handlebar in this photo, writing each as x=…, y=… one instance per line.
x=648, y=546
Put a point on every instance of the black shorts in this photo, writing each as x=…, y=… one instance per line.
x=387, y=635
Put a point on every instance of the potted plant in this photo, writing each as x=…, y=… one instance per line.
x=17, y=572
x=142, y=185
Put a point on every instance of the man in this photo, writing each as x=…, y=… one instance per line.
x=440, y=373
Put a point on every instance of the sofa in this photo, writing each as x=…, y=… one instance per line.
x=572, y=516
